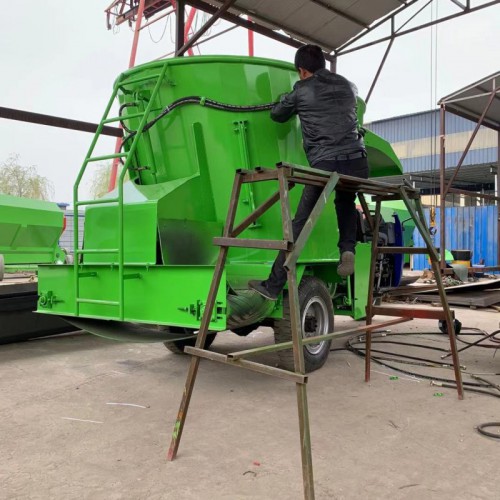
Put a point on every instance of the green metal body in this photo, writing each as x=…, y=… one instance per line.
x=29, y=231
x=148, y=253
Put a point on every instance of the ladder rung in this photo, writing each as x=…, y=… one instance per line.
x=98, y=302
x=124, y=117
x=253, y=243
x=97, y=250
x=404, y=312
x=138, y=80
x=418, y=250
x=102, y=201
x=106, y=157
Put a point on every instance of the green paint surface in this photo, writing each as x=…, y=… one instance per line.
x=29, y=231
x=181, y=173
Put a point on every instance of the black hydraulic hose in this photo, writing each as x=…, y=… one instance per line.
x=203, y=101
x=480, y=428
x=478, y=388
x=360, y=352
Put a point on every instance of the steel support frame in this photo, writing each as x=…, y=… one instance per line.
x=344, y=49
x=287, y=175
x=254, y=26
x=446, y=187
x=210, y=22
x=131, y=64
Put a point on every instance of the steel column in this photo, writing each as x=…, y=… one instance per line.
x=131, y=64
x=497, y=202
x=180, y=11
x=442, y=197
x=471, y=139
x=382, y=62
x=215, y=16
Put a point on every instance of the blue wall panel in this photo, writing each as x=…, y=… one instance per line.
x=467, y=228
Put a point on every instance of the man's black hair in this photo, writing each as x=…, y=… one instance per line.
x=310, y=58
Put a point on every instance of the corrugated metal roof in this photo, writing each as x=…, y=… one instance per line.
x=418, y=125
x=471, y=101
x=328, y=23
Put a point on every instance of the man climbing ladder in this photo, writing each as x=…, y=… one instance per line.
x=326, y=105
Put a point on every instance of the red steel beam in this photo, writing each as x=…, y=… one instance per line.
x=131, y=64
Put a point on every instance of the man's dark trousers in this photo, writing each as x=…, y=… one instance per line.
x=346, y=214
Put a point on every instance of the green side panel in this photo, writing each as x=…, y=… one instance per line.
x=29, y=230
x=361, y=279
x=381, y=157
x=140, y=222
x=169, y=295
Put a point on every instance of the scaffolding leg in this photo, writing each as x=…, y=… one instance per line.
x=298, y=353
x=371, y=285
x=418, y=215
x=205, y=323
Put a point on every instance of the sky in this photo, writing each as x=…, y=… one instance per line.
x=58, y=58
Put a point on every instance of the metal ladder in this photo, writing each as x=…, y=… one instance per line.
x=77, y=203
x=287, y=176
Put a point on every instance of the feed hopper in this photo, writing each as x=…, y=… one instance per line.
x=29, y=233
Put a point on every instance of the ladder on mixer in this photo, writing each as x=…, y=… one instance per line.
x=287, y=176
x=126, y=157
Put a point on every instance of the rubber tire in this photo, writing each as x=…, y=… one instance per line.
x=178, y=346
x=443, y=326
x=309, y=287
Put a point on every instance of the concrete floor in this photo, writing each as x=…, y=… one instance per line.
x=62, y=439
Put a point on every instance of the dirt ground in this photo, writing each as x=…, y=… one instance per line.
x=63, y=435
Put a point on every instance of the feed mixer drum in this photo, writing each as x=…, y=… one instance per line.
x=208, y=118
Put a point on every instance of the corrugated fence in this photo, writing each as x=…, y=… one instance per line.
x=467, y=228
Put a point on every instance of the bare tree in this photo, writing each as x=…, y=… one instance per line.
x=17, y=180
x=99, y=182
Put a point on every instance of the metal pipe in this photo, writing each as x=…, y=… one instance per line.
x=471, y=140
x=442, y=169
x=189, y=23
x=57, y=121
x=342, y=52
x=207, y=39
x=131, y=64
x=375, y=79
x=250, y=40
x=496, y=194
x=215, y=16
x=157, y=19
x=180, y=10
x=473, y=194
x=135, y=41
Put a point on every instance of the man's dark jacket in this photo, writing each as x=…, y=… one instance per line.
x=326, y=105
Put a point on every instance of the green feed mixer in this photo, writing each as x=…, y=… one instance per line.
x=148, y=257
x=29, y=234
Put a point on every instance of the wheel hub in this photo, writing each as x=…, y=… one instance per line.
x=315, y=322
